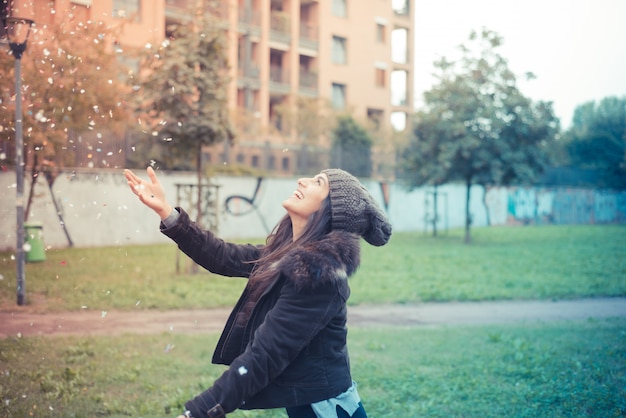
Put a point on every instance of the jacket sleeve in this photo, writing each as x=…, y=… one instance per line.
x=210, y=252
x=291, y=324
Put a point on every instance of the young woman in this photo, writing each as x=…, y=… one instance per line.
x=285, y=340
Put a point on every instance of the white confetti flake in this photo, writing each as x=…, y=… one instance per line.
x=242, y=370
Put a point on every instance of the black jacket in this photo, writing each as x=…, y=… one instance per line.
x=292, y=350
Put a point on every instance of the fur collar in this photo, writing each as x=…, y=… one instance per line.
x=335, y=257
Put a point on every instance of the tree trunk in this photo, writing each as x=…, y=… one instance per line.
x=486, y=205
x=435, y=212
x=468, y=216
x=34, y=175
x=199, y=175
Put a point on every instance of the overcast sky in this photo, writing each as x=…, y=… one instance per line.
x=576, y=48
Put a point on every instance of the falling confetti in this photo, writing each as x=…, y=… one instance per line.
x=242, y=370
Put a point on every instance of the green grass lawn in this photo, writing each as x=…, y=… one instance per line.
x=502, y=263
x=559, y=369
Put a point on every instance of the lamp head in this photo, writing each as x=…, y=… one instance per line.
x=17, y=30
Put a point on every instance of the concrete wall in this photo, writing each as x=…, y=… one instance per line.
x=99, y=210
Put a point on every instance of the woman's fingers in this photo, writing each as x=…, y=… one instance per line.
x=149, y=193
x=152, y=175
x=135, y=183
x=132, y=179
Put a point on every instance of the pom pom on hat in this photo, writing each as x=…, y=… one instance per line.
x=354, y=210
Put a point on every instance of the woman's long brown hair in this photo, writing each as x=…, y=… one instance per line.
x=279, y=243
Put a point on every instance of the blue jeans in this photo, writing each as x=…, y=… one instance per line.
x=307, y=412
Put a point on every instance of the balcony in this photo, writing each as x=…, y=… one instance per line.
x=249, y=78
x=308, y=83
x=309, y=35
x=249, y=21
x=184, y=10
x=280, y=27
x=279, y=80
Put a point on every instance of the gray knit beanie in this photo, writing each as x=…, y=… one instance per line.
x=354, y=210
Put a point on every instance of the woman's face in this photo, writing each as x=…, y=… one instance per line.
x=307, y=198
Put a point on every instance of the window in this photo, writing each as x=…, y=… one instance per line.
x=271, y=162
x=126, y=9
x=339, y=96
x=255, y=161
x=339, y=8
x=285, y=164
x=399, y=45
x=339, y=50
x=241, y=158
x=375, y=118
x=380, y=33
x=380, y=76
x=399, y=79
x=400, y=7
x=398, y=121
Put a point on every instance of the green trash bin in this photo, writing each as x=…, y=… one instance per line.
x=34, y=246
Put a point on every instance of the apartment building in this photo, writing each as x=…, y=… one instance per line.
x=355, y=55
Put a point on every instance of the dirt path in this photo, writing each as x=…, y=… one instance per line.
x=19, y=322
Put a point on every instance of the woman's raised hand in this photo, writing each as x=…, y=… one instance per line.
x=150, y=193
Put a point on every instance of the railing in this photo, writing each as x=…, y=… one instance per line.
x=280, y=27
x=308, y=79
x=249, y=21
x=309, y=36
x=279, y=75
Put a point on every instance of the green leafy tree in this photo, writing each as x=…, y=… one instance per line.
x=71, y=86
x=352, y=147
x=182, y=95
x=596, y=141
x=476, y=126
x=71, y=83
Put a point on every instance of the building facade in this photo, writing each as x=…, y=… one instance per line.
x=354, y=56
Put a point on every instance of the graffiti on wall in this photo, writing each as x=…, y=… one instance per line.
x=565, y=206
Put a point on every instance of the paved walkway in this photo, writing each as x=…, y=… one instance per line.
x=20, y=322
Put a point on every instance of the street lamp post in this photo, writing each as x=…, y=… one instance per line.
x=18, y=30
